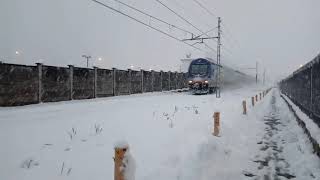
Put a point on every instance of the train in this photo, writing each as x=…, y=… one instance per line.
x=202, y=76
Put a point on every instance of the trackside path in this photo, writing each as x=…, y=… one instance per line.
x=285, y=152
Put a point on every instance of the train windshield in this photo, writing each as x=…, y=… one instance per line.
x=199, y=69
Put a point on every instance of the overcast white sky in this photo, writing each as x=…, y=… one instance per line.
x=279, y=34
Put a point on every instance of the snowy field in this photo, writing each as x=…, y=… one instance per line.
x=169, y=136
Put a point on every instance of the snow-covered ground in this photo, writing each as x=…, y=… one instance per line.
x=169, y=136
x=310, y=124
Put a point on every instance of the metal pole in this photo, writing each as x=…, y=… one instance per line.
x=87, y=58
x=264, y=76
x=311, y=92
x=257, y=72
x=218, y=58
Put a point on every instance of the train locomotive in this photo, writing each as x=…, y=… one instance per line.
x=202, y=76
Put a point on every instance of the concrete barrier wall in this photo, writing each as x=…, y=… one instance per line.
x=122, y=83
x=147, y=81
x=165, y=81
x=173, y=81
x=104, y=83
x=181, y=81
x=83, y=83
x=21, y=85
x=55, y=84
x=136, y=82
x=157, y=81
x=18, y=85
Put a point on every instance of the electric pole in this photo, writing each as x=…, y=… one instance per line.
x=87, y=58
x=257, y=72
x=264, y=76
x=218, y=59
x=254, y=68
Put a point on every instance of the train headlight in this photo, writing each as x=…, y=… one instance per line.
x=206, y=82
x=190, y=82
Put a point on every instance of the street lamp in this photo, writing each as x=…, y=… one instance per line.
x=87, y=58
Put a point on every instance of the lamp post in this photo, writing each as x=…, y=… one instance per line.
x=87, y=58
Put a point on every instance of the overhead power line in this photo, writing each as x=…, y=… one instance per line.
x=228, y=32
x=145, y=24
x=213, y=15
x=184, y=19
x=153, y=17
x=206, y=9
x=206, y=32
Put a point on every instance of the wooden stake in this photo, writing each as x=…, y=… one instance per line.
x=216, y=117
x=252, y=99
x=118, y=163
x=257, y=98
x=244, y=105
x=260, y=96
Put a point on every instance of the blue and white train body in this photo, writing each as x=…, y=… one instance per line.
x=203, y=76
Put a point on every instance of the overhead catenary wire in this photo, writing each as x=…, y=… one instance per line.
x=213, y=15
x=145, y=24
x=153, y=17
x=184, y=19
x=228, y=32
x=206, y=32
x=206, y=9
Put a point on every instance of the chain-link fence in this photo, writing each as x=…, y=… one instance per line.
x=303, y=88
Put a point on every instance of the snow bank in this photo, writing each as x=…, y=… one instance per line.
x=310, y=124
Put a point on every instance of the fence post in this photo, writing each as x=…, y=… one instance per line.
x=161, y=79
x=311, y=92
x=169, y=82
x=260, y=96
x=71, y=80
x=114, y=81
x=130, y=80
x=95, y=81
x=252, y=100
x=152, y=80
x=244, y=105
x=142, y=83
x=216, y=118
x=176, y=78
x=257, y=98
x=39, y=65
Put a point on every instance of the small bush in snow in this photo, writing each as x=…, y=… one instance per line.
x=29, y=163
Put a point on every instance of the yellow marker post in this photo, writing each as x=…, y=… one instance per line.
x=118, y=163
x=252, y=99
x=216, y=129
x=244, y=105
